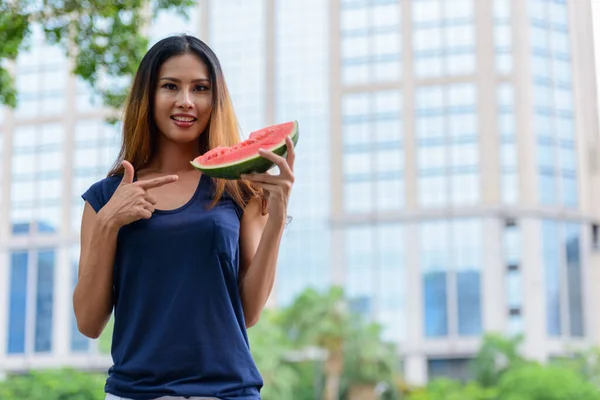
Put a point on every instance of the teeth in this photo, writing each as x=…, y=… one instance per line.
x=184, y=119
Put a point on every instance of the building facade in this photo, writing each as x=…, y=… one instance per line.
x=447, y=171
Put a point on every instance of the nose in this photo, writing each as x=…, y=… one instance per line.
x=184, y=100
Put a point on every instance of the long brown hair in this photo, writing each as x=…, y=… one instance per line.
x=140, y=133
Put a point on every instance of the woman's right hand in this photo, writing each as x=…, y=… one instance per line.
x=131, y=201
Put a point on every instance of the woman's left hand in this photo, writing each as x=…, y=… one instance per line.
x=277, y=187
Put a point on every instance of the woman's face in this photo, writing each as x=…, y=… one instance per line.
x=183, y=98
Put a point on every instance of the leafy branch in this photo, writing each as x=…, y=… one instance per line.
x=104, y=39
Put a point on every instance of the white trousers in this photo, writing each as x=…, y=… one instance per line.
x=113, y=397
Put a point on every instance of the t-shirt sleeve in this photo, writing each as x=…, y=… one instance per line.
x=100, y=192
x=94, y=196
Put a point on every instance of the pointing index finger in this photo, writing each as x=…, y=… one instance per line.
x=156, y=182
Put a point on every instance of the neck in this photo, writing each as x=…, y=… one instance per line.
x=174, y=158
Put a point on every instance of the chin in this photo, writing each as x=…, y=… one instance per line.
x=183, y=137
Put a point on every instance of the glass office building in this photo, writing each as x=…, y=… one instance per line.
x=447, y=170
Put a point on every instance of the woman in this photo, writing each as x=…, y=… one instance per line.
x=186, y=262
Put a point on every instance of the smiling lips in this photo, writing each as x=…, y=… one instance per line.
x=183, y=120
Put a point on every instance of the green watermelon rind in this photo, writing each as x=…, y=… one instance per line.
x=254, y=164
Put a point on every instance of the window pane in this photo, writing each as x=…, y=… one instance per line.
x=465, y=188
x=355, y=47
x=573, y=248
x=551, y=258
x=357, y=197
x=512, y=245
x=49, y=218
x=547, y=188
x=18, y=303
x=436, y=307
x=355, y=18
x=389, y=194
x=569, y=190
x=356, y=133
x=433, y=191
x=469, y=303
x=510, y=188
x=432, y=159
x=357, y=165
x=513, y=289
x=435, y=259
x=44, y=301
x=386, y=14
x=515, y=324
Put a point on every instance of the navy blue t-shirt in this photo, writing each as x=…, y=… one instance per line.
x=179, y=328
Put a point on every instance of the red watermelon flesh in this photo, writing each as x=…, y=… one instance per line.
x=231, y=162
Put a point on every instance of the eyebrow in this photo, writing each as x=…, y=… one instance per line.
x=179, y=80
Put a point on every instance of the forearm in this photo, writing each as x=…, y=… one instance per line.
x=258, y=281
x=92, y=298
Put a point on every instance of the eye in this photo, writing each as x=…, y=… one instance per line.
x=201, y=88
x=169, y=86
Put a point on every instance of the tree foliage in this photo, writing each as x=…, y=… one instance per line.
x=14, y=26
x=105, y=39
x=269, y=344
x=368, y=358
x=585, y=362
x=545, y=382
x=497, y=355
x=281, y=345
x=53, y=384
x=501, y=372
x=446, y=389
x=355, y=352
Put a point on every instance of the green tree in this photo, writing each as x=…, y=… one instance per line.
x=310, y=381
x=368, y=359
x=13, y=28
x=545, y=382
x=103, y=38
x=321, y=320
x=496, y=355
x=54, y=384
x=354, y=354
x=585, y=362
x=269, y=345
x=503, y=373
x=446, y=389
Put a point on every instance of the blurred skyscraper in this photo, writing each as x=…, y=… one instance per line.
x=447, y=170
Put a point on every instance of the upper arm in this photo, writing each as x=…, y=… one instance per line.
x=94, y=200
x=88, y=221
x=251, y=228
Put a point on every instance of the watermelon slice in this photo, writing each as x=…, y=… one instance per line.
x=242, y=158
